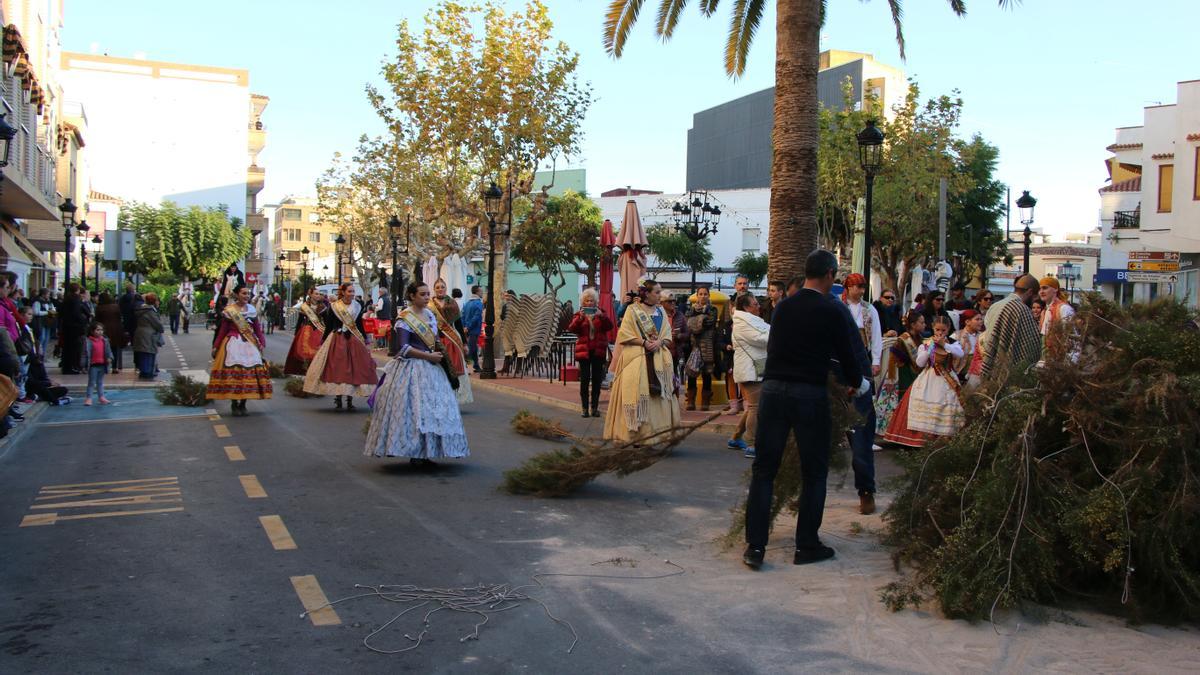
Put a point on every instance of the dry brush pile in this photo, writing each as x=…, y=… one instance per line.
x=1077, y=482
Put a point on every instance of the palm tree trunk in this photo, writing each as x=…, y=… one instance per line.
x=793, y=232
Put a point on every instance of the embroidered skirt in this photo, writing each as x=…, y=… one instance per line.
x=228, y=382
x=934, y=407
x=898, y=431
x=305, y=345
x=343, y=366
x=415, y=414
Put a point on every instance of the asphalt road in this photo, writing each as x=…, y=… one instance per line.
x=196, y=580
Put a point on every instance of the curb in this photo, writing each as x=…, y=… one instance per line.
x=18, y=433
x=722, y=429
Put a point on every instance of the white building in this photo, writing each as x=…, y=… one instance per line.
x=1150, y=211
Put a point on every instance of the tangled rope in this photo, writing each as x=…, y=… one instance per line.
x=482, y=601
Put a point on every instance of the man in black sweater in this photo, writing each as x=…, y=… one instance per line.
x=807, y=332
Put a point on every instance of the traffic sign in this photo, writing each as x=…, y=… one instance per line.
x=1153, y=266
x=251, y=278
x=1151, y=277
x=1167, y=256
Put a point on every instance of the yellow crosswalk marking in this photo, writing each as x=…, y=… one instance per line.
x=278, y=533
x=234, y=453
x=312, y=597
x=51, y=518
x=108, y=482
x=222, y=431
x=254, y=489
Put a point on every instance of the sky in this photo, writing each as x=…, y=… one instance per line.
x=1048, y=82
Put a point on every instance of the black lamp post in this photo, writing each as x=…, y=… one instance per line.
x=68, y=209
x=696, y=219
x=97, y=241
x=491, y=206
x=339, y=246
x=870, y=155
x=325, y=273
x=83, y=228
x=303, y=264
x=1025, y=204
x=394, y=226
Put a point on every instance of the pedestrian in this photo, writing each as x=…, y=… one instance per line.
x=591, y=327
x=43, y=318
x=807, y=333
x=128, y=303
x=934, y=308
x=310, y=329
x=968, y=338
x=343, y=366
x=958, y=301
x=147, y=337
x=983, y=301
x=918, y=303
x=449, y=321
x=268, y=316
x=1057, y=311
x=1038, y=308
x=733, y=393
x=97, y=354
x=931, y=406
x=642, y=398
x=108, y=313
x=903, y=370
x=415, y=413
x=776, y=292
x=231, y=281
x=385, y=314
x=27, y=349
x=473, y=322
x=891, y=323
x=174, y=308
x=680, y=337
x=864, y=327
x=73, y=325
x=239, y=370
x=1011, y=339
x=749, y=339
x=707, y=348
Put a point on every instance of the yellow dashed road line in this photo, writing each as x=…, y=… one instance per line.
x=222, y=431
x=254, y=489
x=312, y=597
x=234, y=453
x=278, y=533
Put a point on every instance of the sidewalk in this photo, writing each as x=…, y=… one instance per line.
x=126, y=379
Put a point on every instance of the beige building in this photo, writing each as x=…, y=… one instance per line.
x=298, y=227
x=260, y=260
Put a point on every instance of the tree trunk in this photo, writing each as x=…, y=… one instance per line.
x=793, y=227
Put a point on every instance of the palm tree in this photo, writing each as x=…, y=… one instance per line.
x=793, y=231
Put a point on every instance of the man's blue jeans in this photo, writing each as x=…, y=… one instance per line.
x=473, y=348
x=785, y=408
x=862, y=440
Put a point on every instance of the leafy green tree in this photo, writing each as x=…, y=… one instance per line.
x=199, y=242
x=568, y=235
x=795, y=130
x=752, y=265
x=973, y=230
x=675, y=250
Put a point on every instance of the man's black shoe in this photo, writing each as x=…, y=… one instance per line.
x=812, y=554
x=753, y=557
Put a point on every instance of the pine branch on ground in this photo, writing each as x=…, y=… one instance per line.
x=528, y=424
x=182, y=391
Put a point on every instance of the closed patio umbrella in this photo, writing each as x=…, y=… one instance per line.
x=607, y=241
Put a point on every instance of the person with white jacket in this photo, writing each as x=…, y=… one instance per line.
x=749, y=339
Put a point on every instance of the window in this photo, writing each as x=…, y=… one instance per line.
x=751, y=239
x=1166, y=175
x=291, y=214
x=313, y=218
x=291, y=234
x=314, y=237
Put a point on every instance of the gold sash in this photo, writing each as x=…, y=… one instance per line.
x=445, y=327
x=235, y=315
x=418, y=326
x=645, y=322
x=342, y=311
x=313, y=317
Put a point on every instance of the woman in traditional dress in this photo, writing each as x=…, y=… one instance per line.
x=239, y=371
x=343, y=365
x=901, y=373
x=310, y=328
x=934, y=407
x=643, y=398
x=447, y=312
x=968, y=339
x=415, y=414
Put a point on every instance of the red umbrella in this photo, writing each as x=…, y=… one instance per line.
x=607, y=242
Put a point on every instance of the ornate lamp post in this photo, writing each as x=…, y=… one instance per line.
x=394, y=226
x=1025, y=204
x=67, y=208
x=96, y=242
x=339, y=246
x=696, y=219
x=870, y=156
x=491, y=206
x=303, y=264
x=82, y=228
x=1069, y=272
x=325, y=273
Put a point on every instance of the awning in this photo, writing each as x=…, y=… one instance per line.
x=14, y=252
x=14, y=51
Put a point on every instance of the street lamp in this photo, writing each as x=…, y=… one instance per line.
x=870, y=156
x=303, y=265
x=394, y=226
x=491, y=206
x=696, y=219
x=1025, y=204
x=1070, y=272
x=83, y=228
x=67, y=208
x=325, y=273
x=339, y=245
x=97, y=241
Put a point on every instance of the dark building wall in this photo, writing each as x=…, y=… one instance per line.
x=729, y=146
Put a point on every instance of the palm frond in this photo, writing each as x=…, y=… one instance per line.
x=622, y=14
x=668, y=17
x=823, y=14
x=747, y=14
x=959, y=7
x=707, y=7
x=898, y=19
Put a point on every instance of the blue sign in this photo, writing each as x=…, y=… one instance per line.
x=1111, y=276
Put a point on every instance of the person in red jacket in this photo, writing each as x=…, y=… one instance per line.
x=592, y=326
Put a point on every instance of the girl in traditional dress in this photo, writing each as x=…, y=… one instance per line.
x=239, y=371
x=310, y=328
x=968, y=338
x=446, y=310
x=901, y=373
x=415, y=414
x=643, y=398
x=343, y=365
x=934, y=407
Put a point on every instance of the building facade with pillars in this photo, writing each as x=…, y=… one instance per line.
x=1150, y=209
x=32, y=242
x=296, y=225
x=260, y=259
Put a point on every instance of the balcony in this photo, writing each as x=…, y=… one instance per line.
x=255, y=178
x=257, y=137
x=1127, y=220
x=256, y=221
